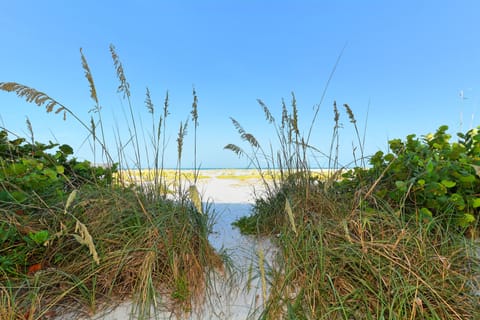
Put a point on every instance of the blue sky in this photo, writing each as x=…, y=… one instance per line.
x=405, y=64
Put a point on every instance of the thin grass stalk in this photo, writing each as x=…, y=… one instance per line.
x=365, y=125
x=289, y=211
x=280, y=133
x=255, y=162
x=163, y=123
x=351, y=116
x=31, y=133
x=284, y=139
x=158, y=171
x=335, y=140
x=155, y=142
x=181, y=136
x=93, y=94
x=256, y=148
x=124, y=88
x=120, y=154
x=330, y=77
x=94, y=136
x=300, y=159
x=261, y=265
x=194, y=114
x=148, y=187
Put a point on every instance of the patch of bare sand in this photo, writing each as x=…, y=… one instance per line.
x=227, y=185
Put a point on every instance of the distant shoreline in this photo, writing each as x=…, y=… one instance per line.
x=219, y=168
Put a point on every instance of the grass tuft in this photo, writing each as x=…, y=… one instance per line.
x=348, y=253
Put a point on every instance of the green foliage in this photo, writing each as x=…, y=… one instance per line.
x=32, y=179
x=181, y=291
x=18, y=251
x=39, y=237
x=28, y=169
x=431, y=177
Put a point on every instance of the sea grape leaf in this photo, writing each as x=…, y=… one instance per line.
x=467, y=179
x=426, y=215
x=476, y=203
x=66, y=149
x=430, y=167
x=457, y=199
x=465, y=220
x=449, y=183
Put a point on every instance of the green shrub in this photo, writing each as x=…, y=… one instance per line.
x=27, y=169
x=431, y=177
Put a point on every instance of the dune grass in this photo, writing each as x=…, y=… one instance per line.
x=369, y=264
x=346, y=253
x=155, y=253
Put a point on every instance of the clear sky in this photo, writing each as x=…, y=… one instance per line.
x=405, y=65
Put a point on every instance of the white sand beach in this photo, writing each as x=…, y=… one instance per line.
x=230, y=185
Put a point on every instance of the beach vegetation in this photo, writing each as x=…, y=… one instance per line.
x=388, y=236
x=79, y=238
x=391, y=237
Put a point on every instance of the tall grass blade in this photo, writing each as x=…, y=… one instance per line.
x=195, y=197
x=194, y=114
x=330, y=77
x=30, y=131
x=351, y=116
x=263, y=276
x=288, y=210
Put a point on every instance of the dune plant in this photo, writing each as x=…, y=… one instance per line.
x=275, y=168
x=431, y=178
x=369, y=265
x=285, y=171
x=92, y=238
x=194, y=114
x=346, y=252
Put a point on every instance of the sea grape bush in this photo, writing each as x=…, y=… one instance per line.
x=430, y=177
x=27, y=168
